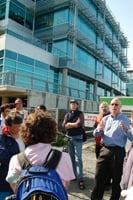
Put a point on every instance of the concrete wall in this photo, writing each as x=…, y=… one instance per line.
x=2, y=42
x=35, y=98
x=53, y=101
x=30, y=50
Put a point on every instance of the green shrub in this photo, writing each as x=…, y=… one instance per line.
x=59, y=140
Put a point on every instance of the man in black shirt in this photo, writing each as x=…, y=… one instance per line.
x=73, y=123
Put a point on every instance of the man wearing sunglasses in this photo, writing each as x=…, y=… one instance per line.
x=114, y=129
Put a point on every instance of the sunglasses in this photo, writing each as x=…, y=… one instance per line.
x=114, y=104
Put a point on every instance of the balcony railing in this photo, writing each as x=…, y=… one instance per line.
x=32, y=83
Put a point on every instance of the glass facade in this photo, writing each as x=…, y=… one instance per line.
x=86, y=61
x=2, y=9
x=21, y=14
x=129, y=84
x=35, y=74
x=83, y=36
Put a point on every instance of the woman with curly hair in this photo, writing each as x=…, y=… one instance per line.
x=38, y=131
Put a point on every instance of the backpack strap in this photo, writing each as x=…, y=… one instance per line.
x=23, y=161
x=51, y=162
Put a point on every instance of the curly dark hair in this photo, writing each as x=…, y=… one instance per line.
x=39, y=127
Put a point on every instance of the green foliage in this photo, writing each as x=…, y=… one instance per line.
x=59, y=140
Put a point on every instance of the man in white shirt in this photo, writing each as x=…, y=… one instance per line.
x=19, y=107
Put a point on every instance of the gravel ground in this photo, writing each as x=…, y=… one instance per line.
x=89, y=162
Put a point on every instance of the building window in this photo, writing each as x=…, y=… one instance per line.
x=16, y=13
x=19, y=13
x=2, y=9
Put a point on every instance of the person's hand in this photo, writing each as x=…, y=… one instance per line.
x=127, y=194
x=102, y=126
x=123, y=126
x=131, y=126
x=68, y=125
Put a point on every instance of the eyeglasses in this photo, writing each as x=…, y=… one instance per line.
x=114, y=104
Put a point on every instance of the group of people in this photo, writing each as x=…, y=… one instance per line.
x=33, y=133
x=114, y=129
x=10, y=140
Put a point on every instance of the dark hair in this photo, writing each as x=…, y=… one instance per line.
x=38, y=127
x=12, y=105
x=4, y=107
x=42, y=107
x=14, y=117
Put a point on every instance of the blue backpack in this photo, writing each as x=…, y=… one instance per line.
x=40, y=182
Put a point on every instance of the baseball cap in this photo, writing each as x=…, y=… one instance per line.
x=74, y=101
x=18, y=100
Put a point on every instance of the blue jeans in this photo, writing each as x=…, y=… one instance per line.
x=75, y=151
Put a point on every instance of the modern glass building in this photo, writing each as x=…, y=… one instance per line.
x=129, y=84
x=72, y=48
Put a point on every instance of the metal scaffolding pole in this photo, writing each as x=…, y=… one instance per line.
x=75, y=30
x=104, y=21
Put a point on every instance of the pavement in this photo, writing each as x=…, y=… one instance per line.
x=89, y=163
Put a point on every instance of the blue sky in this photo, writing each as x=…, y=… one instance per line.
x=122, y=11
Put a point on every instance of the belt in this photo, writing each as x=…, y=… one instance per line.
x=114, y=147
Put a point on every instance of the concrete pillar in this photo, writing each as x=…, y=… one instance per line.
x=5, y=100
x=95, y=91
x=112, y=92
x=64, y=81
x=82, y=105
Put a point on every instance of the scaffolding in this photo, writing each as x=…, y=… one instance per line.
x=67, y=30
